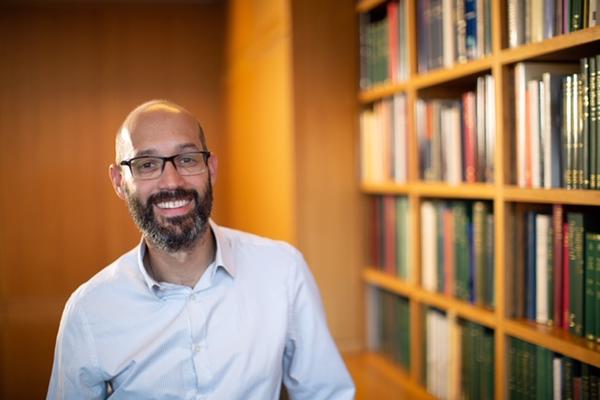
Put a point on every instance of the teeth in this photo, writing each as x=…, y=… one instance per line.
x=172, y=204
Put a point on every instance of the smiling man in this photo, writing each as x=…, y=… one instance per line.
x=195, y=311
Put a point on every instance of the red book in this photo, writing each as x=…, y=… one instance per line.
x=392, y=16
x=557, y=257
x=389, y=211
x=565, y=278
x=470, y=140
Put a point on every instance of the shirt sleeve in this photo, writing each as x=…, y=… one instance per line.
x=313, y=367
x=75, y=372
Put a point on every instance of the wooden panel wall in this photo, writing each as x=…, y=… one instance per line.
x=292, y=102
x=68, y=76
x=331, y=211
x=259, y=163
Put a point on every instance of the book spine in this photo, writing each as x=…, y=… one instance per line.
x=575, y=221
x=530, y=282
x=567, y=128
x=596, y=239
x=566, y=295
x=590, y=287
x=584, y=123
x=471, y=29
x=557, y=248
x=593, y=131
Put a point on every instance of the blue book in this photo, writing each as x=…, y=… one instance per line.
x=471, y=21
x=530, y=283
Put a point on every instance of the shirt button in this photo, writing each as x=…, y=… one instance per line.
x=198, y=348
x=193, y=297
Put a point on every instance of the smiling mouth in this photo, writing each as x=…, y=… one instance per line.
x=172, y=204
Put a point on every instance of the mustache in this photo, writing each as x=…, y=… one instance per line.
x=172, y=195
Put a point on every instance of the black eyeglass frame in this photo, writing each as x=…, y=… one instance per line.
x=171, y=159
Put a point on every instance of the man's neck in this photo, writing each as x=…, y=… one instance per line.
x=182, y=267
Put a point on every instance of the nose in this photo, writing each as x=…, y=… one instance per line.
x=170, y=178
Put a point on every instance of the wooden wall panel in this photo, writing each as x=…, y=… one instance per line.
x=259, y=163
x=68, y=76
x=331, y=210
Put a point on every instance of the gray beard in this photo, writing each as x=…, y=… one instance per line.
x=175, y=233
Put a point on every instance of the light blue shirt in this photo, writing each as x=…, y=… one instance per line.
x=253, y=320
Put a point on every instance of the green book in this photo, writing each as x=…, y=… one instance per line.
x=541, y=376
x=593, y=131
x=576, y=21
x=576, y=276
x=512, y=374
x=479, y=249
x=488, y=364
x=590, y=286
x=584, y=177
x=461, y=251
x=585, y=382
x=597, y=125
x=567, y=379
x=402, y=237
x=596, y=239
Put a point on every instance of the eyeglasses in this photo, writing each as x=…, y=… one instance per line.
x=152, y=167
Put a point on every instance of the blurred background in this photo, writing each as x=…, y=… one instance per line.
x=273, y=82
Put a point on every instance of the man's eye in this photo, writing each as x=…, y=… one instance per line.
x=149, y=164
x=187, y=161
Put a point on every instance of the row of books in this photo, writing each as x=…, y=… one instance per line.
x=390, y=325
x=557, y=269
x=536, y=20
x=383, y=50
x=452, y=31
x=390, y=235
x=538, y=373
x=459, y=358
x=383, y=141
x=457, y=249
x=457, y=136
x=557, y=124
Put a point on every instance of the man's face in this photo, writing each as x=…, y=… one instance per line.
x=172, y=211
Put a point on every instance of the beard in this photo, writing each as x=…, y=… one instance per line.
x=174, y=233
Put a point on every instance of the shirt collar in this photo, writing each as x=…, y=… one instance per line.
x=223, y=257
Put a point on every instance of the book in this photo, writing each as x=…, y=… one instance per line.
x=523, y=73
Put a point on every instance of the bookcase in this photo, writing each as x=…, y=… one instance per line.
x=423, y=179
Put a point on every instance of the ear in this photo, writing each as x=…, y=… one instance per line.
x=116, y=177
x=213, y=162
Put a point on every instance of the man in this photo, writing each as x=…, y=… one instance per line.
x=196, y=311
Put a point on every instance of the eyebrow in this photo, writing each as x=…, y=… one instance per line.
x=181, y=147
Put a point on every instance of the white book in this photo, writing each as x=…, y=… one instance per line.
x=490, y=126
x=480, y=126
x=533, y=91
x=557, y=378
x=524, y=72
x=537, y=20
x=542, y=226
x=593, y=12
x=452, y=139
x=428, y=246
x=377, y=148
x=448, y=29
x=374, y=318
x=400, y=135
x=429, y=350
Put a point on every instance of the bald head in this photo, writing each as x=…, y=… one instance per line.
x=154, y=115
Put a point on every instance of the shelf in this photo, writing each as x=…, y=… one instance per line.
x=443, y=302
x=376, y=377
x=380, y=91
x=554, y=48
x=556, y=340
x=385, y=188
x=484, y=191
x=552, y=196
x=364, y=6
x=457, y=72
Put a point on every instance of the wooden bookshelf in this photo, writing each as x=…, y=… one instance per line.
x=502, y=193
